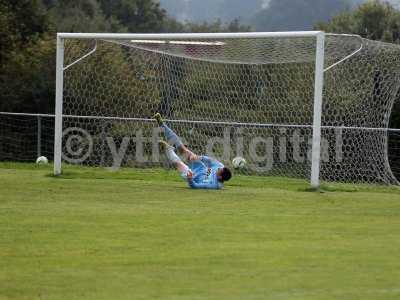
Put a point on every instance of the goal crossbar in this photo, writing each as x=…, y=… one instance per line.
x=180, y=36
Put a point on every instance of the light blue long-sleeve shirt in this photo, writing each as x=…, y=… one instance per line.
x=205, y=173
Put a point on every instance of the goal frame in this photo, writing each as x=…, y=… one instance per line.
x=318, y=81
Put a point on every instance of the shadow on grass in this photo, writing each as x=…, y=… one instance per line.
x=123, y=174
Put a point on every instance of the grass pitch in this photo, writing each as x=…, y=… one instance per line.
x=92, y=234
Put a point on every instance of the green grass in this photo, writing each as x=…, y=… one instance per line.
x=94, y=234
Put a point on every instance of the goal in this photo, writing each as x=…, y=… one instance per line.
x=298, y=104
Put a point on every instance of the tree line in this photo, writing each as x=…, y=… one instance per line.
x=375, y=20
x=27, y=37
x=28, y=29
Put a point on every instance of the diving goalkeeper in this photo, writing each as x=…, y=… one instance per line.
x=203, y=172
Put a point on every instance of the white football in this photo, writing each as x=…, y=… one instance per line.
x=238, y=162
x=42, y=160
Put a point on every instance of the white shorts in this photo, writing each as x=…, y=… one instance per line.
x=185, y=173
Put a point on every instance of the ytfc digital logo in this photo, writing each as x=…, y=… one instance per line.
x=261, y=151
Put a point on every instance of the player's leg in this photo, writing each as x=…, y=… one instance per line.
x=170, y=135
x=188, y=154
x=174, y=139
x=182, y=168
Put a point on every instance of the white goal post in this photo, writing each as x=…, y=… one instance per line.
x=217, y=85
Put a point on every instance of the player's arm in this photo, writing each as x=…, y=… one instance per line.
x=203, y=185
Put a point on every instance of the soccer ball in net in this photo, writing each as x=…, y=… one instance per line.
x=238, y=162
x=42, y=160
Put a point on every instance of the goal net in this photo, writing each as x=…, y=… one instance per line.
x=306, y=104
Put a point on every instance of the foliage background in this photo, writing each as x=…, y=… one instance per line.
x=28, y=29
x=27, y=38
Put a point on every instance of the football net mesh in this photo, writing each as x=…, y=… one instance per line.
x=25, y=137
x=232, y=97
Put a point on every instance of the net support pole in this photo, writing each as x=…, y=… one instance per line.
x=59, y=106
x=39, y=136
x=318, y=94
